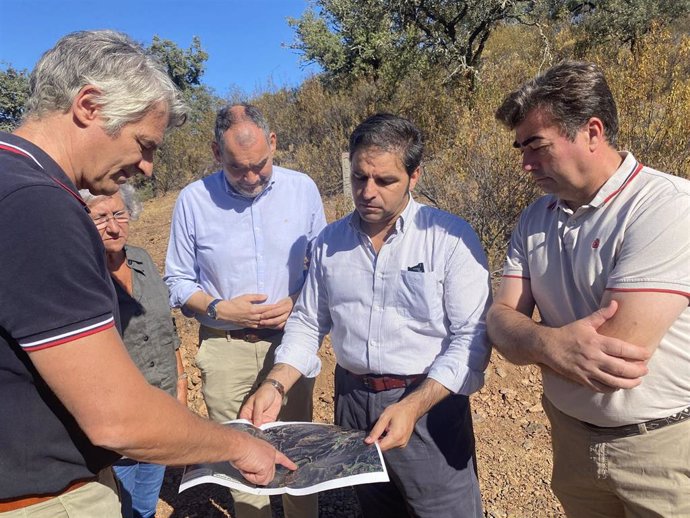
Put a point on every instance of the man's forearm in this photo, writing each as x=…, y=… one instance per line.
x=285, y=374
x=426, y=396
x=98, y=383
x=165, y=432
x=515, y=335
x=198, y=302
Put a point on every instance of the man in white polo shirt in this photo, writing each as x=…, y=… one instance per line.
x=605, y=257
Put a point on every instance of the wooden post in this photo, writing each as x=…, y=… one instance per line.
x=347, y=186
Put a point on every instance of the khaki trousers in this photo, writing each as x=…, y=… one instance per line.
x=99, y=498
x=230, y=371
x=597, y=475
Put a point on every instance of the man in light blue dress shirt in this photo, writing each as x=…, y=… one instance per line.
x=402, y=289
x=239, y=244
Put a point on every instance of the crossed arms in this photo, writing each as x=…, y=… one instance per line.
x=605, y=351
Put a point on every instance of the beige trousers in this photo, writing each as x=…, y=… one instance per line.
x=230, y=371
x=597, y=475
x=99, y=498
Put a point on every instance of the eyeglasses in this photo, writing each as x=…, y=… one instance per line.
x=121, y=216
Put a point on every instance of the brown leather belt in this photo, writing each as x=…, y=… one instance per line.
x=381, y=382
x=246, y=335
x=20, y=503
x=628, y=430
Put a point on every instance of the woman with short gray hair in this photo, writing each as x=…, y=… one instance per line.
x=147, y=331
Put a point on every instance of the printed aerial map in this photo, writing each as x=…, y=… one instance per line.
x=327, y=455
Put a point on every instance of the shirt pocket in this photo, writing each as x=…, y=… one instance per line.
x=419, y=295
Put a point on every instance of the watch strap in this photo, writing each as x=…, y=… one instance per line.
x=211, y=309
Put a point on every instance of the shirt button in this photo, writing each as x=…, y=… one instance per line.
x=146, y=338
x=152, y=363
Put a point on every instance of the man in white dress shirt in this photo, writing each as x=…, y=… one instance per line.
x=402, y=289
x=239, y=241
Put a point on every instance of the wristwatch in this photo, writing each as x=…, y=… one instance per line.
x=211, y=309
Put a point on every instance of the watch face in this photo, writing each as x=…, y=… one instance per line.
x=211, y=309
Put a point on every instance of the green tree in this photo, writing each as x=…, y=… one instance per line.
x=14, y=90
x=386, y=38
x=185, y=154
x=453, y=33
x=352, y=39
x=616, y=21
x=185, y=67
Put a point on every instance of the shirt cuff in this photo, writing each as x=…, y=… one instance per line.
x=308, y=364
x=179, y=295
x=465, y=382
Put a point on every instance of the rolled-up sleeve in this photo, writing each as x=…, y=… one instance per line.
x=467, y=296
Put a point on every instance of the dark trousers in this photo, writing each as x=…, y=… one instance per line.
x=434, y=476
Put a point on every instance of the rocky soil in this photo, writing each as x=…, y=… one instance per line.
x=513, y=448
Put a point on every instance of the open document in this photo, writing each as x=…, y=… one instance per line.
x=328, y=457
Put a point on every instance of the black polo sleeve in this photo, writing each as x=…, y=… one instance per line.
x=55, y=283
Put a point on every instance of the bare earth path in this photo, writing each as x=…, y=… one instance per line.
x=513, y=448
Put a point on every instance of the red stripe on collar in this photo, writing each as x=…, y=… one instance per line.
x=625, y=184
x=19, y=151
x=14, y=150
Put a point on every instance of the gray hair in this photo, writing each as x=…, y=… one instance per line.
x=131, y=81
x=390, y=133
x=571, y=93
x=127, y=192
x=226, y=119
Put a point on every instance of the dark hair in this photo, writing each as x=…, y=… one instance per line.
x=226, y=118
x=392, y=134
x=570, y=93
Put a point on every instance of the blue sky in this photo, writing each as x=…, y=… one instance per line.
x=244, y=38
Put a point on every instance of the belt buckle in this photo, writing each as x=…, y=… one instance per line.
x=367, y=382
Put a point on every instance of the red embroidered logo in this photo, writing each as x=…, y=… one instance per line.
x=595, y=243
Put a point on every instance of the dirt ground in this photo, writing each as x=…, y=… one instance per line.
x=513, y=447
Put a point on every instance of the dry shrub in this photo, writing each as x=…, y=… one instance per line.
x=186, y=154
x=470, y=167
x=313, y=125
x=652, y=88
